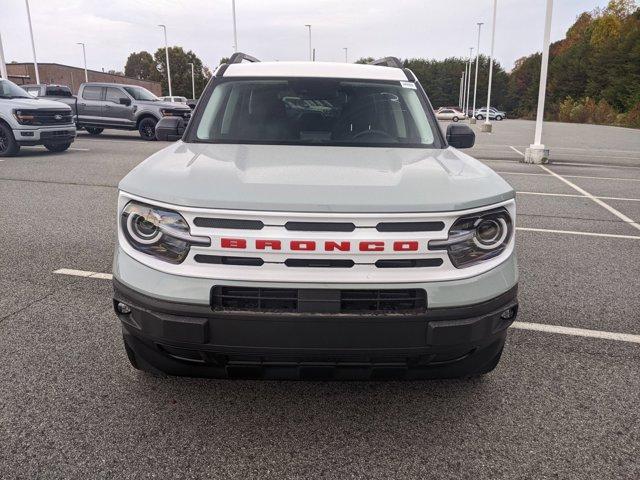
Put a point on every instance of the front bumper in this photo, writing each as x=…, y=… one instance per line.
x=41, y=135
x=192, y=339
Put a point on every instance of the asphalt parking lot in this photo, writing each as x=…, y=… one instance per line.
x=563, y=403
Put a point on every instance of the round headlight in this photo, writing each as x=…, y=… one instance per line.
x=143, y=229
x=490, y=232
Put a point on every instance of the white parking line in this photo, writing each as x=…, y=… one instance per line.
x=540, y=327
x=604, y=205
x=577, y=332
x=572, y=195
x=568, y=176
x=83, y=273
x=516, y=150
x=572, y=232
x=571, y=164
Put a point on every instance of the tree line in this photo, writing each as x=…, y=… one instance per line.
x=594, y=73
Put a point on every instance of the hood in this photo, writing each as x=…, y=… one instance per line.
x=316, y=178
x=36, y=103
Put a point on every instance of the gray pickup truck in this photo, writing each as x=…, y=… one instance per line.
x=110, y=105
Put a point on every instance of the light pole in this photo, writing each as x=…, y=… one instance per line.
x=235, y=32
x=537, y=153
x=461, y=87
x=33, y=44
x=84, y=55
x=486, y=126
x=310, y=50
x=466, y=108
x=346, y=54
x=166, y=51
x=464, y=84
x=193, y=82
x=475, y=83
x=3, y=65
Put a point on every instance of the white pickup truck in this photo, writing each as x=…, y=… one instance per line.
x=27, y=121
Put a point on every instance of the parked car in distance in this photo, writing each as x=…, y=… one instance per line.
x=450, y=114
x=27, y=121
x=314, y=220
x=100, y=106
x=174, y=99
x=192, y=102
x=494, y=114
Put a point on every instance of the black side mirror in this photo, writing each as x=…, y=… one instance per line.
x=125, y=101
x=170, y=129
x=460, y=136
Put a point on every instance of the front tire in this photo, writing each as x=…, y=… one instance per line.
x=94, y=130
x=455, y=119
x=8, y=145
x=147, y=128
x=57, y=147
x=499, y=118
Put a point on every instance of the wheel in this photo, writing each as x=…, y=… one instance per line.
x=147, y=128
x=8, y=145
x=498, y=117
x=479, y=117
x=455, y=119
x=57, y=147
x=94, y=130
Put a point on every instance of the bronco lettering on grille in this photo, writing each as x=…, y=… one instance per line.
x=327, y=245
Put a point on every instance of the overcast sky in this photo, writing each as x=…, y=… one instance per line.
x=274, y=29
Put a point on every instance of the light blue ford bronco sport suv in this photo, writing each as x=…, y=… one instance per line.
x=313, y=221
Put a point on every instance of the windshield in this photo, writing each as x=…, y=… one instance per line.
x=11, y=90
x=316, y=112
x=139, y=93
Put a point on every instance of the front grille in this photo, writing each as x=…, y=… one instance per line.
x=306, y=300
x=49, y=117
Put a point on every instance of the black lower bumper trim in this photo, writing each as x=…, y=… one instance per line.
x=195, y=336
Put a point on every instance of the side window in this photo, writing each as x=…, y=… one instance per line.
x=92, y=93
x=33, y=91
x=58, y=91
x=114, y=95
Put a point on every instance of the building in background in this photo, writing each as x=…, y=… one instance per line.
x=54, y=73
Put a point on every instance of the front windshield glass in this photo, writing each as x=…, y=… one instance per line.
x=11, y=90
x=316, y=112
x=139, y=93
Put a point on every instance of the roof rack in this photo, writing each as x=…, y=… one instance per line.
x=393, y=62
x=238, y=57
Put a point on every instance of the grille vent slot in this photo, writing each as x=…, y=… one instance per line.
x=410, y=226
x=207, y=222
x=320, y=226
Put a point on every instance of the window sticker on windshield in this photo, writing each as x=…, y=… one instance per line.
x=408, y=85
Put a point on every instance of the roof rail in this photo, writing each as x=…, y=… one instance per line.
x=238, y=57
x=388, y=62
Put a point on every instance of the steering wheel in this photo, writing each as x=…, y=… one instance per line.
x=374, y=132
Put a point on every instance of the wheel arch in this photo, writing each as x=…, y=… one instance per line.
x=144, y=115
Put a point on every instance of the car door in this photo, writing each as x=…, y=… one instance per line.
x=445, y=114
x=114, y=111
x=90, y=104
